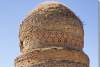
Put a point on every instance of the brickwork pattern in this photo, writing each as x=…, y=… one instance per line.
x=51, y=36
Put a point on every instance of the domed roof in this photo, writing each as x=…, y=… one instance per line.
x=49, y=7
x=53, y=8
x=51, y=25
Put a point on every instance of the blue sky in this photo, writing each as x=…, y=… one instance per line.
x=12, y=12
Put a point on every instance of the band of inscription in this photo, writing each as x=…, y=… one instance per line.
x=50, y=39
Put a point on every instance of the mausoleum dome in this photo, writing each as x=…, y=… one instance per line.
x=51, y=25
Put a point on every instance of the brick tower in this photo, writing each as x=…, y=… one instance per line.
x=51, y=36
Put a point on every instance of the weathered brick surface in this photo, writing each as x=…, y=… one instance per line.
x=51, y=27
x=43, y=56
x=51, y=36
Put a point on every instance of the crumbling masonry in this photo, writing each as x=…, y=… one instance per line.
x=51, y=36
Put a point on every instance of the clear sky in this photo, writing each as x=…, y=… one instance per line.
x=12, y=13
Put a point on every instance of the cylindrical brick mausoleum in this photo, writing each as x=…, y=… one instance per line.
x=51, y=36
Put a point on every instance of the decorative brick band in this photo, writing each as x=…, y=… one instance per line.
x=41, y=39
